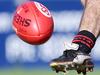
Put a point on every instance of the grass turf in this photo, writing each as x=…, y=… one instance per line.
x=38, y=71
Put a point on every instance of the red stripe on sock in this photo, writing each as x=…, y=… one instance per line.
x=74, y=41
x=85, y=37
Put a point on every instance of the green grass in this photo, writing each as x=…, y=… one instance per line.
x=38, y=71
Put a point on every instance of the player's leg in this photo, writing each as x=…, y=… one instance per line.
x=84, y=4
x=96, y=27
x=91, y=17
x=86, y=37
x=89, y=26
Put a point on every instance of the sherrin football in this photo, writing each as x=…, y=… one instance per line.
x=33, y=23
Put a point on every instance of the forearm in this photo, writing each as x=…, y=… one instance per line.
x=90, y=19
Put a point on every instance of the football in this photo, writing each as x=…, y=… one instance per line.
x=33, y=23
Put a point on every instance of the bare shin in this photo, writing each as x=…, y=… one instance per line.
x=91, y=17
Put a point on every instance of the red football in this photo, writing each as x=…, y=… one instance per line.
x=33, y=23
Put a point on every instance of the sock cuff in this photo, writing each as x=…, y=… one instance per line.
x=85, y=37
x=88, y=34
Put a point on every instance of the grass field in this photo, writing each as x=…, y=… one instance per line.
x=38, y=71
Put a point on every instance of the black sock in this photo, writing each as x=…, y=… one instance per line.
x=86, y=41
